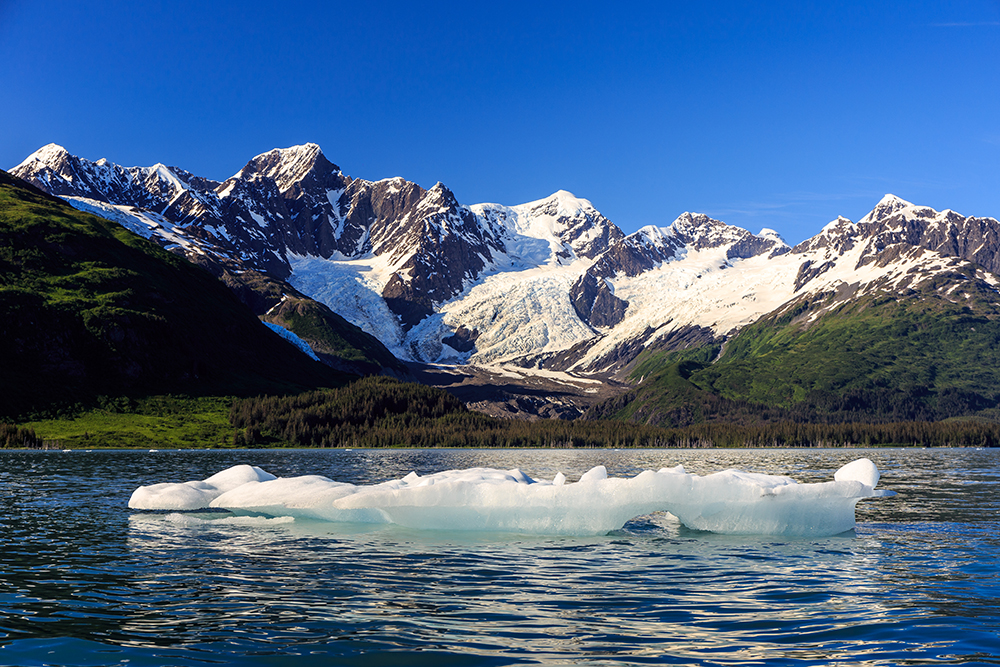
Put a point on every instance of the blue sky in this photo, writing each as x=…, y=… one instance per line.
x=780, y=115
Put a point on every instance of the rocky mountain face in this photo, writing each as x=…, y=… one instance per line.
x=283, y=203
x=551, y=284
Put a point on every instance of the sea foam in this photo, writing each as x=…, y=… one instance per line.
x=485, y=499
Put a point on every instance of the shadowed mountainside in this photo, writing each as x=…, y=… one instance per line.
x=89, y=309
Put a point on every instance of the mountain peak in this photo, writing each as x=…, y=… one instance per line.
x=569, y=204
x=839, y=226
x=287, y=166
x=768, y=233
x=48, y=154
x=307, y=150
x=888, y=205
x=560, y=204
x=891, y=199
x=688, y=222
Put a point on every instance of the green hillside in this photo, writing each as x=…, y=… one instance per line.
x=89, y=310
x=337, y=342
x=927, y=354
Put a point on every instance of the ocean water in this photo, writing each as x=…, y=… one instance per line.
x=86, y=581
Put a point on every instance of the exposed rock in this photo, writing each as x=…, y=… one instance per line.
x=810, y=270
x=751, y=246
x=636, y=254
x=595, y=303
x=463, y=340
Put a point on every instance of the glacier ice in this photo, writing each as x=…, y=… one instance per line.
x=292, y=338
x=486, y=499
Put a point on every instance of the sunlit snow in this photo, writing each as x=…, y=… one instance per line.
x=485, y=499
x=292, y=338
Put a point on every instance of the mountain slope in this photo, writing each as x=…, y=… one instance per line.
x=927, y=353
x=89, y=309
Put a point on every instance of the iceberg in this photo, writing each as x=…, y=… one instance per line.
x=486, y=499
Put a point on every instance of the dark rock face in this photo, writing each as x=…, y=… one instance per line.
x=143, y=320
x=304, y=196
x=584, y=231
x=618, y=360
x=650, y=247
x=446, y=247
x=895, y=225
x=895, y=229
x=700, y=232
x=839, y=237
x=684, y=338
x=808, y=271
x=295, y=202
x=635, y=255
x=217, y=217
x=974, y=239
x=463, y=340
x=751, y=246
x=595, y=303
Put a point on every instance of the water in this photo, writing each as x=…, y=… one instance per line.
x=85, y=581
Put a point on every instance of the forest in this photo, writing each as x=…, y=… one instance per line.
x=383, y=412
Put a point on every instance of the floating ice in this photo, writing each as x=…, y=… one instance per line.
x=196, y=495
x=485, y=499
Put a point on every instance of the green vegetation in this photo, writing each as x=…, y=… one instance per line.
x=335, y=340
x=923, y=357
x=150, y=422
x=107, y=340
x=383, y=412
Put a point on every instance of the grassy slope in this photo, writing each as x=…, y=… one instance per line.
x=336, y=341
x=152, y=422
x=88, y=309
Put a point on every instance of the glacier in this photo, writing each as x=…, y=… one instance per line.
x=486, y=499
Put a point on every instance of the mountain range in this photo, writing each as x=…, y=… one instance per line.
x=552, y=287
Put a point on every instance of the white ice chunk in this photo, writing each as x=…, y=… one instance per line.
x=485, y=499
x=195, y=495
x=595, y=474
x=862, y=470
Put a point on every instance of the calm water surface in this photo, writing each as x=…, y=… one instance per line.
x=86, y=581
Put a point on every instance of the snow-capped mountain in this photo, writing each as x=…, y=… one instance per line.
x=551, y=283
x=722, y=288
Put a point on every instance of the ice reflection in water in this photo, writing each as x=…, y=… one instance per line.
x=94, y=584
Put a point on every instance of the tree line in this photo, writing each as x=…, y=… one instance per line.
x=18, y=437
x=383, y=412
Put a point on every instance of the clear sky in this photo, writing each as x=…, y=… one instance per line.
x=763, y=114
